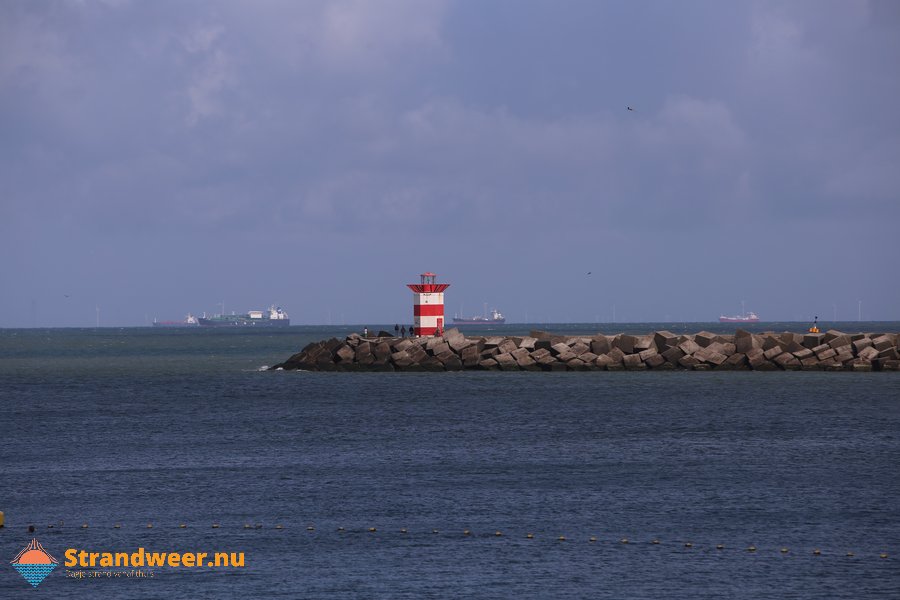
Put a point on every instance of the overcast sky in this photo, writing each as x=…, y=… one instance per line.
x=161, y=157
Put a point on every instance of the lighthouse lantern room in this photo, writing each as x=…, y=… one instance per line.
x=428, y=305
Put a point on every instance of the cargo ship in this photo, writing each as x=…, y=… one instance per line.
x=189, y=321
x=273, y=317
x=496, y=318
x=750, y=317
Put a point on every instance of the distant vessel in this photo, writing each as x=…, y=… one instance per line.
x=744, y=317
x=189, y=321
x=750, y=317
x=274, y=317
x=496, y=318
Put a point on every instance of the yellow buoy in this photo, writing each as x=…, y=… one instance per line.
x=530, y=536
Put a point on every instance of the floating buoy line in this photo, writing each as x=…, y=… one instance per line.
x=589, y=538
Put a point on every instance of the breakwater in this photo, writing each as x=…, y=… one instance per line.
x=659, y=350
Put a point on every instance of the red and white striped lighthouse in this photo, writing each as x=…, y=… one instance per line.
x=428, y=305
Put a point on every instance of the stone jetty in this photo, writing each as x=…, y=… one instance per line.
x=660, y=350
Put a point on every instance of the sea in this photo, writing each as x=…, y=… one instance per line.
x=441, y=485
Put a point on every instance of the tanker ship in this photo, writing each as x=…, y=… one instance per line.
x=496, y=318
x=273, y=317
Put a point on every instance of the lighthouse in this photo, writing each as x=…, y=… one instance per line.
x=428, y=305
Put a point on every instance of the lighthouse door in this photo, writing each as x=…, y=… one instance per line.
x=440, y=326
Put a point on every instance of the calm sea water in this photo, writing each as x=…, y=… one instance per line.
x=135, y=426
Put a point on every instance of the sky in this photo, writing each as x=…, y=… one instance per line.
x=159, y=158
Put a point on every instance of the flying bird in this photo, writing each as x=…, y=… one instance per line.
x=629, y=108
x=589, y=272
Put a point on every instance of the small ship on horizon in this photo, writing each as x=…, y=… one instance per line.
x=275, y=316
x=744, y=317
x=750, y=317
x=496, y=318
